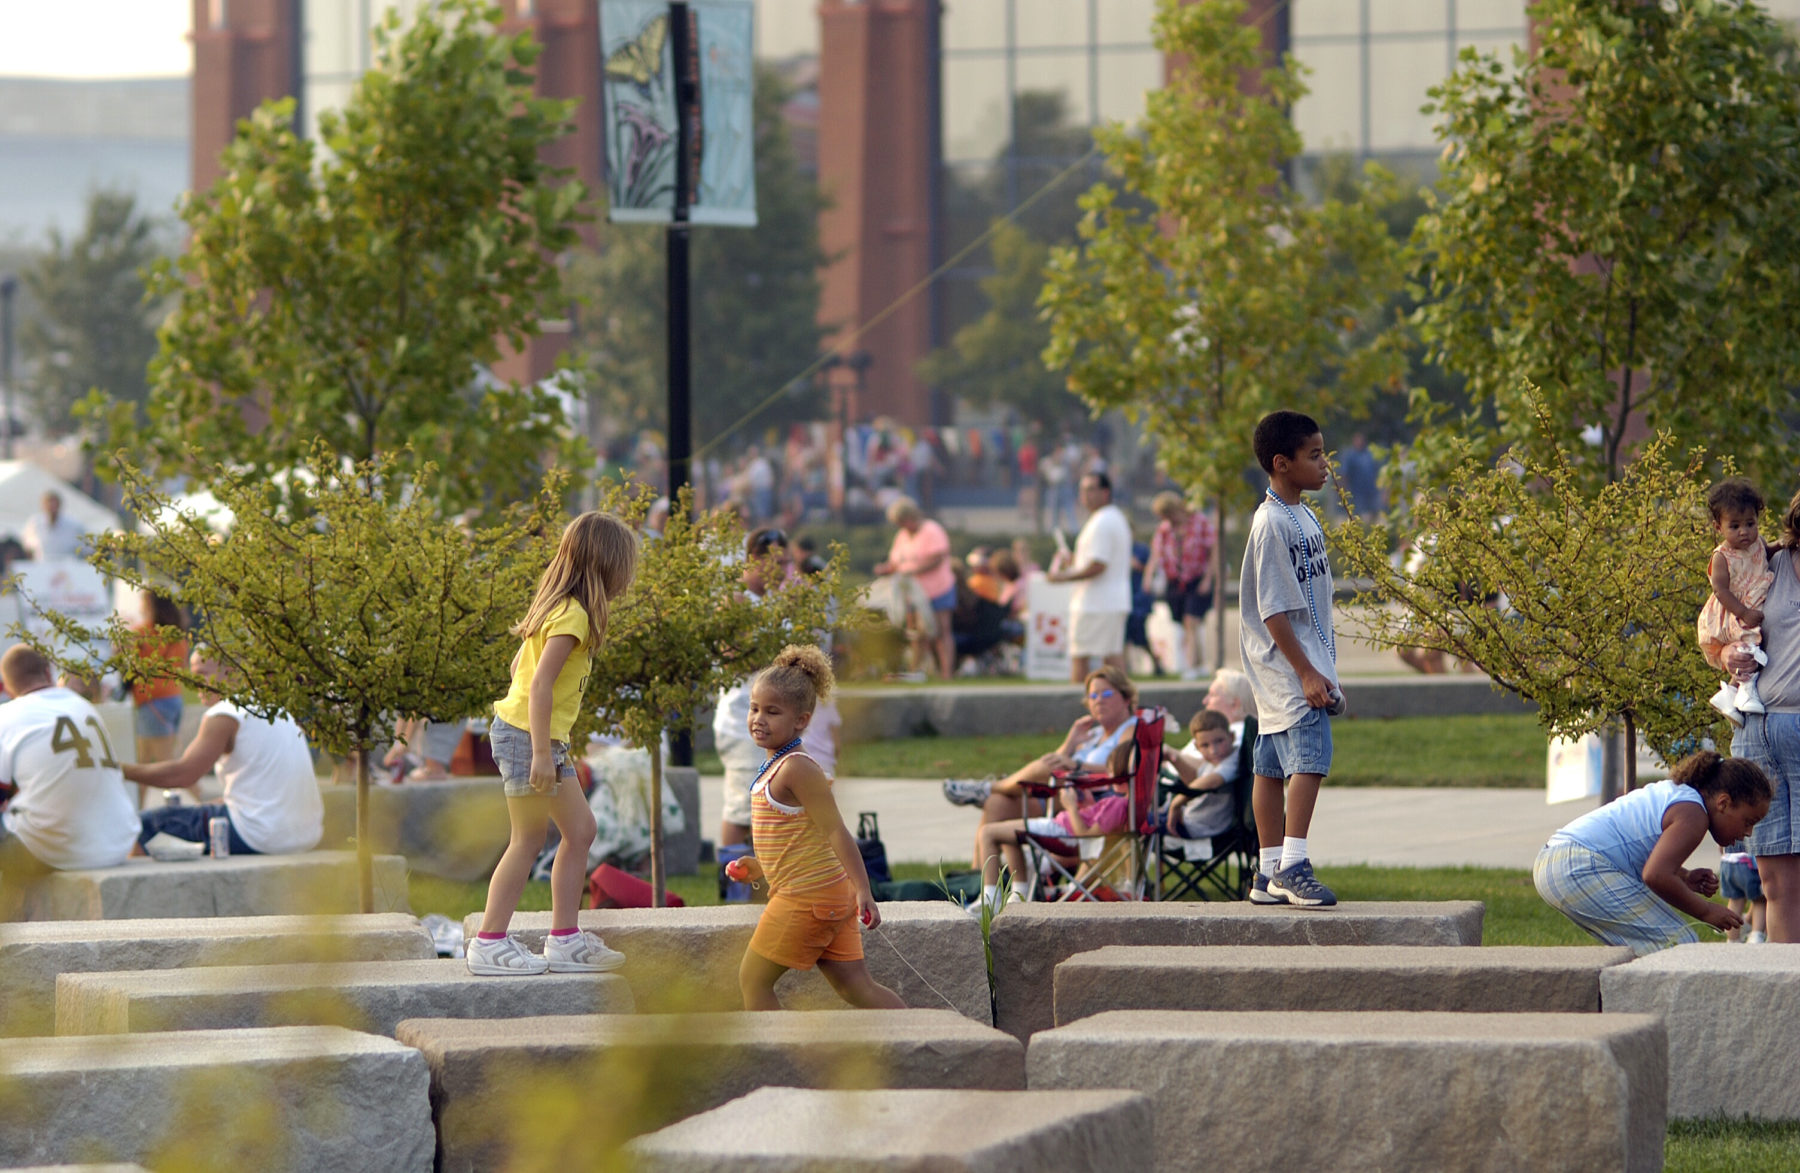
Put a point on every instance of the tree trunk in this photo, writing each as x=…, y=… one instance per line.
x=1628, y=763
x=365, y=856
x=1218, y=570
x=656, y=824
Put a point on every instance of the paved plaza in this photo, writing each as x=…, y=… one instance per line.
x=1384, y=826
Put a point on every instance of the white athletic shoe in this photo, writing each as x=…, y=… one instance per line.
x=581, y=952
x=502, y=958
x=1756, y=937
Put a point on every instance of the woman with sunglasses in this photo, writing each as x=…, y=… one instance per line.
x=1088, y=749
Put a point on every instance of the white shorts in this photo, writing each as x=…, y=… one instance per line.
x=741, y=758
x=1097, y=633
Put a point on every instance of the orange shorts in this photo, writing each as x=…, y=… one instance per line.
x=798, y=932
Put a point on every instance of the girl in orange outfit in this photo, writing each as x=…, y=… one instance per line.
x=818, y=890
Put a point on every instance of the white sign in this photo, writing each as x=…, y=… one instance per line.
x=1047, y=628
x=67, y=585
x=1575, y=769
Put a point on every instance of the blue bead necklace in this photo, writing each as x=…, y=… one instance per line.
x=773, y=758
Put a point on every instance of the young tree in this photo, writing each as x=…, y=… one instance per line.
x=998, y=358
x=686, y=631
x=358, y=608
x=91, y=329
x=1205, y=292
x=755, y=300
x=1614, y=224
x=1580, y=600
x=348, y=290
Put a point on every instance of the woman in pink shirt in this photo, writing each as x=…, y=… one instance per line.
x=922, y=549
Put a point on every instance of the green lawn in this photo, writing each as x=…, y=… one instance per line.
x=1515, y=916
x=1485, y=751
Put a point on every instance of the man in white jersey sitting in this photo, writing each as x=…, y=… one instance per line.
x=69, y=807
x=271, y=796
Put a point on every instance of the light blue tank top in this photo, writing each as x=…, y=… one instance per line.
x=1625, y=830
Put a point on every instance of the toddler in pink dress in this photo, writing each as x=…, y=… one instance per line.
x=1740, y=576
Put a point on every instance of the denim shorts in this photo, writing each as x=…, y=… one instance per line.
x=1739, y=881
x=512, y=754
x=1772, y=741
x=1301, y=748
x=159, y=718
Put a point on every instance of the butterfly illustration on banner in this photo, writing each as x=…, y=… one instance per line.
x=640, y=61
x=642, y=116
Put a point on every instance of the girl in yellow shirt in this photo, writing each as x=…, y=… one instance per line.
x=594, y=564
x=818, y=890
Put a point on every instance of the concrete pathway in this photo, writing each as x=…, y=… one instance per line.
x=1384, y=826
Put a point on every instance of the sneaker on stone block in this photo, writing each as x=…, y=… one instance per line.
x=1300, y=887
x=968, y=791
x=1260, y=894
x=1756, y=937
x=581, y=952
x=502, y=958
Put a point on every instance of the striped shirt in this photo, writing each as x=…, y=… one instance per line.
x=795, y=855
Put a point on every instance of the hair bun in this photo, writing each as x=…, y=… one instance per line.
x=810, y=660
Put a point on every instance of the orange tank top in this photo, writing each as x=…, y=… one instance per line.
x=795, y=854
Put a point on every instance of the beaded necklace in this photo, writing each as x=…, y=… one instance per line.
x=1312, y=604
x=773, y=758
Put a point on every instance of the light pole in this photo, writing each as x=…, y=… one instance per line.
x=9, y=285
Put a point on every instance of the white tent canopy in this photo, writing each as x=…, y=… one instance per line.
x=22, y=487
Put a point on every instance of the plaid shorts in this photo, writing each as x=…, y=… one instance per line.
x=512, y=754
x=1612, y=905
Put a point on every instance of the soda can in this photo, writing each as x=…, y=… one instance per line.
x=218, y=830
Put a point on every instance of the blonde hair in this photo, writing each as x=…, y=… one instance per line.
x=1165, y=505
x=902, y=509
x=1116, y=677
x=801, y=675
x=594, y=563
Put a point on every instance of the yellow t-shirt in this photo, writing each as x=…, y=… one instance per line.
x=569, y=618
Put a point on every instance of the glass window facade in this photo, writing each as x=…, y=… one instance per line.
x=1022, y=85
x=1372, y=62
x=336, y=46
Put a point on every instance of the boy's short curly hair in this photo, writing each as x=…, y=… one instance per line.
x=1734, y=495
x=1280, y=433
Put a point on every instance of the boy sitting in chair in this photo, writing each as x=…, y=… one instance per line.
x=1201, y=806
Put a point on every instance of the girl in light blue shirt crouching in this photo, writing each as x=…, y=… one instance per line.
x=1617, y=871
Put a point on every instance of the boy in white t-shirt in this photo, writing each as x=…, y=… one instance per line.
x=69, y=807
x=1207, y=766
x=271, y=795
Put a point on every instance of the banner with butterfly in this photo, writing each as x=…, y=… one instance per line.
x=642, y=111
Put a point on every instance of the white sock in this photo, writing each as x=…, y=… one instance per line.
x=1270, y=862
x=1292, y=852
x=1021, y=892
x=990, y=895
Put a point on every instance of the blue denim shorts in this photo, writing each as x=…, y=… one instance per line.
x=1302, y=748
x=1739, y=881
x=159, y=718
x=512, y=754
x=1772, y=741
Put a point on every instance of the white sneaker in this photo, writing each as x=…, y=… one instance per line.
x=1725, y=700
x=581, y=952
x=1747, y=699
x=1756, y=937
x=502, y=958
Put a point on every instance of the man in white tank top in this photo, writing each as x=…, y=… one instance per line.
x=69, y=807
x=271, y=796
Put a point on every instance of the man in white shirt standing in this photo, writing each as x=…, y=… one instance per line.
x=271, y=796
x=71, y=809
x=1101, y=565
x=51, y=534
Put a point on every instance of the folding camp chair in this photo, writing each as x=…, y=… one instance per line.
x=1219, y=867
x=1107, y=866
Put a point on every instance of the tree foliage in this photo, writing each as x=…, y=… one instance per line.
x=1581, y=600
x=998, y=358
x=1205, y=291
x=347, y=290
x=355, y=608
x=686, y=631
x=1614, y=223
x=92, y=329
x=755, y=301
